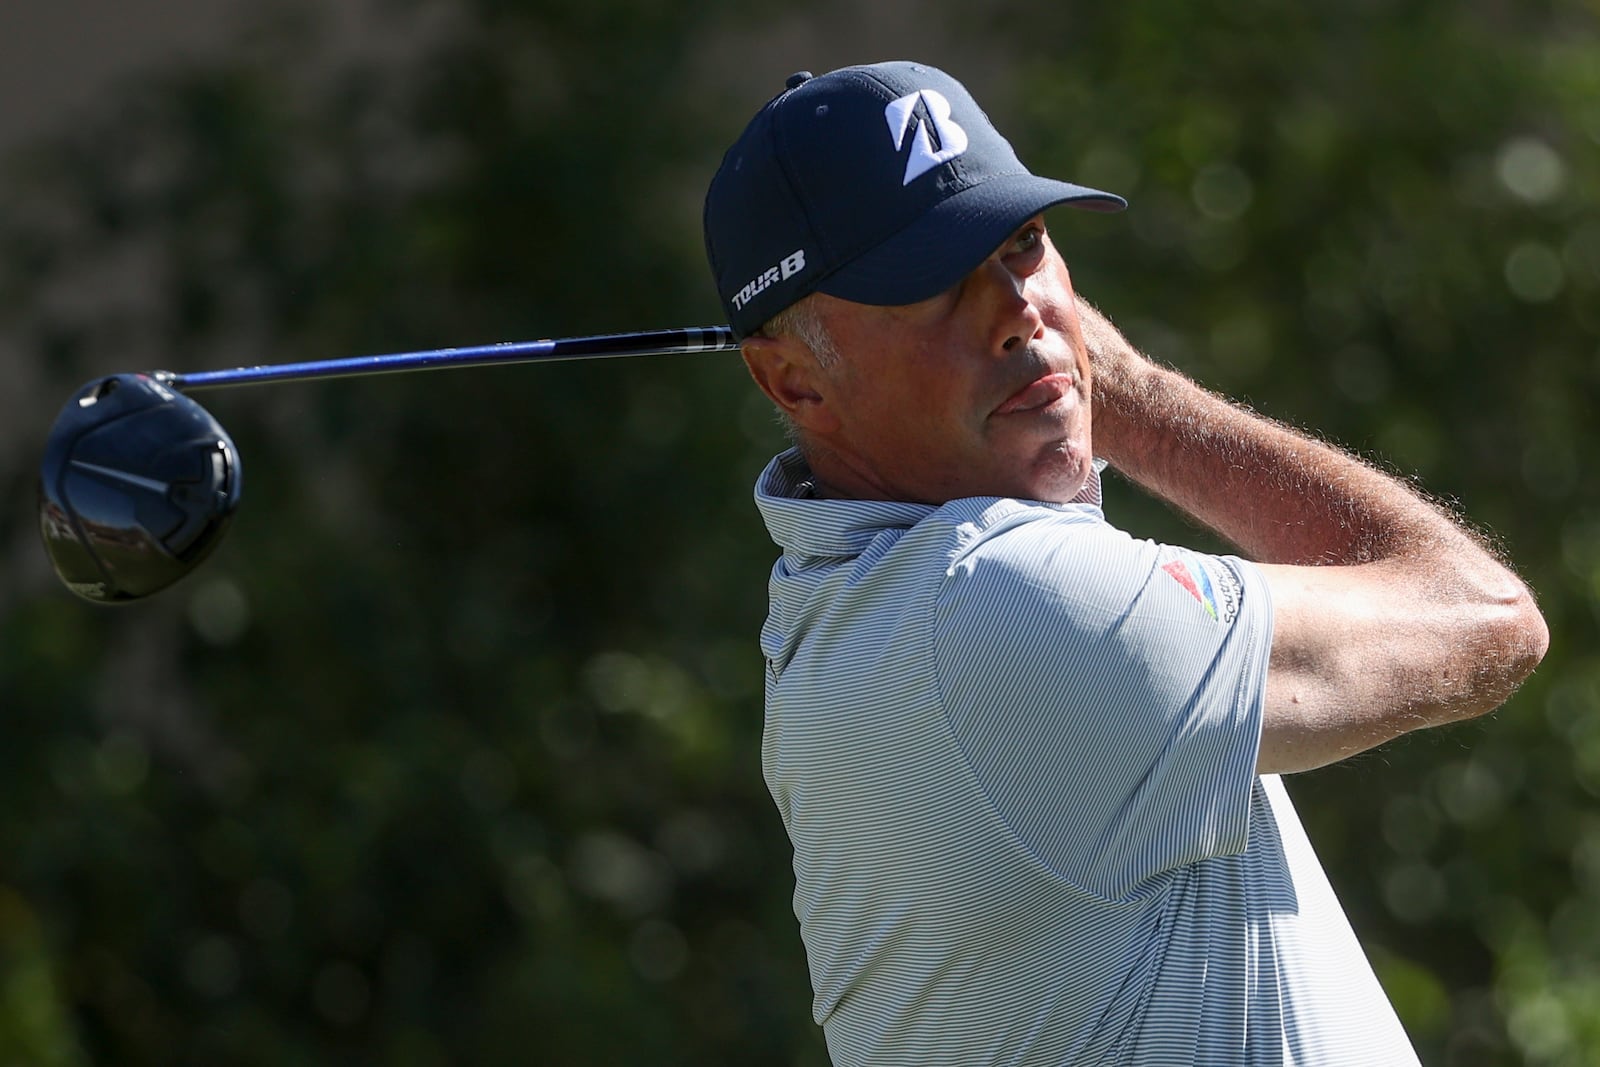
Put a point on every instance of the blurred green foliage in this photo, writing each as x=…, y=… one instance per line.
x=450, y=754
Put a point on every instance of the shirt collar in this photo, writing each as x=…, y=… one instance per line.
x=806, y=525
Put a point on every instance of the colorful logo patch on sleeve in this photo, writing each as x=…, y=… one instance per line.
x=1206, y=579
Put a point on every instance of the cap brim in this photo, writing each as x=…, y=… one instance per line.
x=949, y=241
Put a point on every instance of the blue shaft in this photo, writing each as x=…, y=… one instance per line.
x=687, y=340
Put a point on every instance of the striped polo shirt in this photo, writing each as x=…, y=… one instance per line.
x=1014, y=749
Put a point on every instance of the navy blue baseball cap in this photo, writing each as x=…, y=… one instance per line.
x=880, y=184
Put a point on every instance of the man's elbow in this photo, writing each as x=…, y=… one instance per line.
x=1516, y=639
x=1530, y=639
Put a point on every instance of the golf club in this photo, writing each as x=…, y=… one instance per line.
x=138, y=482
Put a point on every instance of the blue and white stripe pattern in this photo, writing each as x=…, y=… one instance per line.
x=1015, y=753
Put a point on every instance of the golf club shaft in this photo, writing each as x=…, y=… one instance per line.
x=687, y=340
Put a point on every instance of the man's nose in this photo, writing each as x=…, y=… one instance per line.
x=1016, y=320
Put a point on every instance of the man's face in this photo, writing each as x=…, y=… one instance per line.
x=982, y=390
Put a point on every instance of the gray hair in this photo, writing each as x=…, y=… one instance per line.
x=802, y=320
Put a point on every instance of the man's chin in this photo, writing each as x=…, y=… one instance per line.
x=1061, y=477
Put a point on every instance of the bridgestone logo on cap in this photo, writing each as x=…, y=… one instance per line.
x=792, y=264
x=935, y=137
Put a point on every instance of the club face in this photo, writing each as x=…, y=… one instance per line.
x=137, y=487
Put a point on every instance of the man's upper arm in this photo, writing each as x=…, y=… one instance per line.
x=1362, y=654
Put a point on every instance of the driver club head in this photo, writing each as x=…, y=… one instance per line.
x=137, y=486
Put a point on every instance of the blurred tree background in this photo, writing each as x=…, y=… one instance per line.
x=449, y=755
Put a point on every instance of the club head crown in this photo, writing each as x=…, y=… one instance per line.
x=137, y=486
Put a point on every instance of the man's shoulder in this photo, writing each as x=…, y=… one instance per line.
x=1011, y=565
x=1003, y=540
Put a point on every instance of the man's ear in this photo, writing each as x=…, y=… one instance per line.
x=789, y=374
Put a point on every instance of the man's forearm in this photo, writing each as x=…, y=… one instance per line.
x=1278, y=495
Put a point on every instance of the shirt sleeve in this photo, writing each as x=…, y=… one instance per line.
x=1107, y=695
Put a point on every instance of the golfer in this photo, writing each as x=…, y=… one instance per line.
x=1029, y=763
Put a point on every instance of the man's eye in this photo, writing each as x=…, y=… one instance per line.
x=1027, y=240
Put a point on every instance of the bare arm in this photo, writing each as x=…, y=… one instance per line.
x=1389, y=616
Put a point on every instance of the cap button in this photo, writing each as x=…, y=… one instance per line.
x=797, y=79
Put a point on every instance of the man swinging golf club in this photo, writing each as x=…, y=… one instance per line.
x=1029, y=763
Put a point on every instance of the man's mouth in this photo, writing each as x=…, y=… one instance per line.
x=1039, y=393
